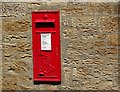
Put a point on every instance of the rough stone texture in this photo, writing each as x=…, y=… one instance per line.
x=89, y=46
x=0, y=47
x=112, y=40
x=13, y=9
x=16, y=25
x=109, y=24
x=0, y=53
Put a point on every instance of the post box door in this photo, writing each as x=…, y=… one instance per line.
x=46, y=47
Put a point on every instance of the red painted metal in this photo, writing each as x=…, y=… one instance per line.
x=46, y=63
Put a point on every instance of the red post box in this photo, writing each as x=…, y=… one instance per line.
x=46, y=46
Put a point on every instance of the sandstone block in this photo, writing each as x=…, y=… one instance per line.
x=34, y=6
x=86, y=22
x=15, y=25
x=108, y=24
x=105, y=85
x=118, y=8
x=101, y=36
x=73, y=9
x=65, y=87
x=71, y=33
x=66, y=22
x=107, y=8
x=10, y=83
x=112, y=39
x=52, y=87
x=86, y=84
x=91, y=8
x=99, y=60
x=106, y=51
x=67, y=76
x=82, y=73
x=16, y=67
x=112, y=61
x=111, y=51
x=13, y=9
x=0, y=9
x=100, y=43
x=14, y=38
x=26, y=79
x=88, y=29
x=76, y=85
x=11, y=51
x=23, y=46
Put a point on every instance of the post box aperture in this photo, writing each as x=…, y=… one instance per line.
x=44, y=25
x=46, y=46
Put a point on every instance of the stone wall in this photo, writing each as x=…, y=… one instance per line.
x=89, y=45
x=0, y=48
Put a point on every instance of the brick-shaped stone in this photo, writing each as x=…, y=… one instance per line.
x=100, y=43
x=13, y=9
x=23, y=46
x=10, y=83
x=106, y=8
x=74, y=9
x=87, y=22
x=91, y=8
x=112, y=39
x=108, y=24
x=106, y=51
x=15, y=25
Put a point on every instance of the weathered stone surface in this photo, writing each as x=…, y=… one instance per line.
x=66, y=22
x=13, y=38
x=52, y=87
x=118, y=7
x=112, y=39
x=1, y=84
x=108, y=24
x=101, y=36
x=98, y=61
x=85, y=23
x=106, y=51
x=26, y=81
x=112, y=61
x=87, y=85
x=74, y=9
x=107, y=8
x=100, y=43
x=23, y=46
x=37, y=6
x=82, y=72
x=0, y=30
x=15, y=25
x=0, y=9
x=67, y=77
x=0, y=50
x=16, y=66
x=76, y=85
x=10, y=82
x=13, y=9
x=91, y=8
x=106, y=85
x=112, y=51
